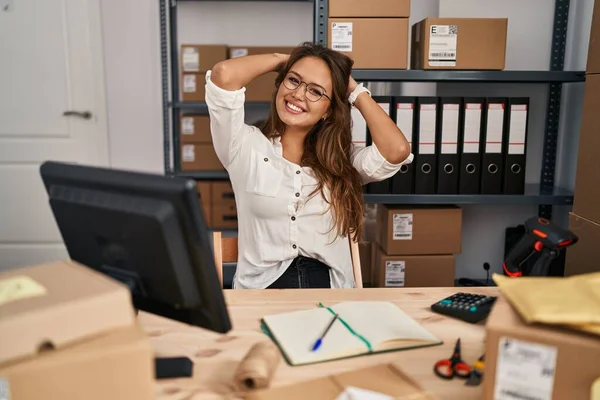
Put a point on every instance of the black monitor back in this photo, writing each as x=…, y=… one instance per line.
x=144, y=230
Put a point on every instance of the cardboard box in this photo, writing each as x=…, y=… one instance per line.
x=224, y=216
x=587, y=190
x=49, y=306
x=199, y=157
x=224, y=211
x=593, y=57
x=412, y=271
x=222, y=192
x=582, y=257
x=356, y=37
x=371, y=8
x=201, y=57
x=386, y=379
x=118, y=365
x=193, y=86
x=195, y=129
x=419, y=230
x=537, y=361
x=263, y=87
x=204, y=191
x=459, y=43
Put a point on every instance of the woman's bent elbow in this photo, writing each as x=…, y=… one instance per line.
x=401, y=154
x=219, y=75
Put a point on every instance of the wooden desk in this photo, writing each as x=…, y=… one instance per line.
x=216, y=356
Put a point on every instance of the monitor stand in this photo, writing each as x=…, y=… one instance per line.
x=165, y=367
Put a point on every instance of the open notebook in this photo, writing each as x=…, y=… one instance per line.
x=363, y=327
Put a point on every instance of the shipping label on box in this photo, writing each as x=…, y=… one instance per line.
x=189, y=83
x=442, y=45
x=189, y=153
x=341, y=36
x=394, y=273
x=238, y=52
x=524, y=370
x=191, y=59
x=403, y=226
x=187, y=125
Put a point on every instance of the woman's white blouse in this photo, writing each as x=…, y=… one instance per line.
x=277, y=220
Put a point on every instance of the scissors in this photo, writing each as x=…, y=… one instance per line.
x=454, y=366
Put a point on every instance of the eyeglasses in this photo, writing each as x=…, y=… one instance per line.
x=314, y=92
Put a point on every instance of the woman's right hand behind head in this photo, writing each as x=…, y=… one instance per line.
x=282, y=58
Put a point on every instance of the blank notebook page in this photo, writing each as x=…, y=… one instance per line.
x=380, y=321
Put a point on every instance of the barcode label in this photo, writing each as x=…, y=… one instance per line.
x=394, y=273
x=453, y=55
x=341, y=36
x=402, y=226
x=442, y=45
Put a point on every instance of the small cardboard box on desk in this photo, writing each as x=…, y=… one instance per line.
x=537, y=361
x=69, y=333
x=416, y=246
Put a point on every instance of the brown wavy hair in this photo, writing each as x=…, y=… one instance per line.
x=328, y=145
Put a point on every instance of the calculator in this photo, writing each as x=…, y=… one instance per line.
x=465, y=306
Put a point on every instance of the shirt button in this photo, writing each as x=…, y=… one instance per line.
x=293, y=218
x=298, y=172
x=297, y=194
x=293, y=246
x=266, y=159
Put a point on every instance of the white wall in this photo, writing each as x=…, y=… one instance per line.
x=131, y=34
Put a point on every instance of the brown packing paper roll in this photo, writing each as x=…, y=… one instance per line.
x=258, y=367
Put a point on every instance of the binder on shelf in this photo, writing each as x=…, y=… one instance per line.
x=425, y=137
x=404, y=180
x=385, y=186
x=492, y=159
x=515, y=145
x=359, y=128
x=447, y=145
x=472, y=126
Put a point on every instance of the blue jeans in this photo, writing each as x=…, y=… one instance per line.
x=303, y=273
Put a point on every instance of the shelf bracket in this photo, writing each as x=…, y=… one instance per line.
x=320, y=22
x=557, y=61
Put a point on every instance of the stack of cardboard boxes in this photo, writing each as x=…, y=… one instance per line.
x=415, y=246
x=361, y=29
x=70, y=333
x=197, y=152
x=218, y=204
x=584, y=221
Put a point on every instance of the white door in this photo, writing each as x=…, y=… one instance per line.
x=51, y=62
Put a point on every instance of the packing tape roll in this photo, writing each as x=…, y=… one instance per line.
x=258, y=367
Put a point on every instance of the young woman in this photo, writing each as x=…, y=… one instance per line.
x=298, y=180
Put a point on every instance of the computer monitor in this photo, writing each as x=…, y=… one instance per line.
x=146, y=231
